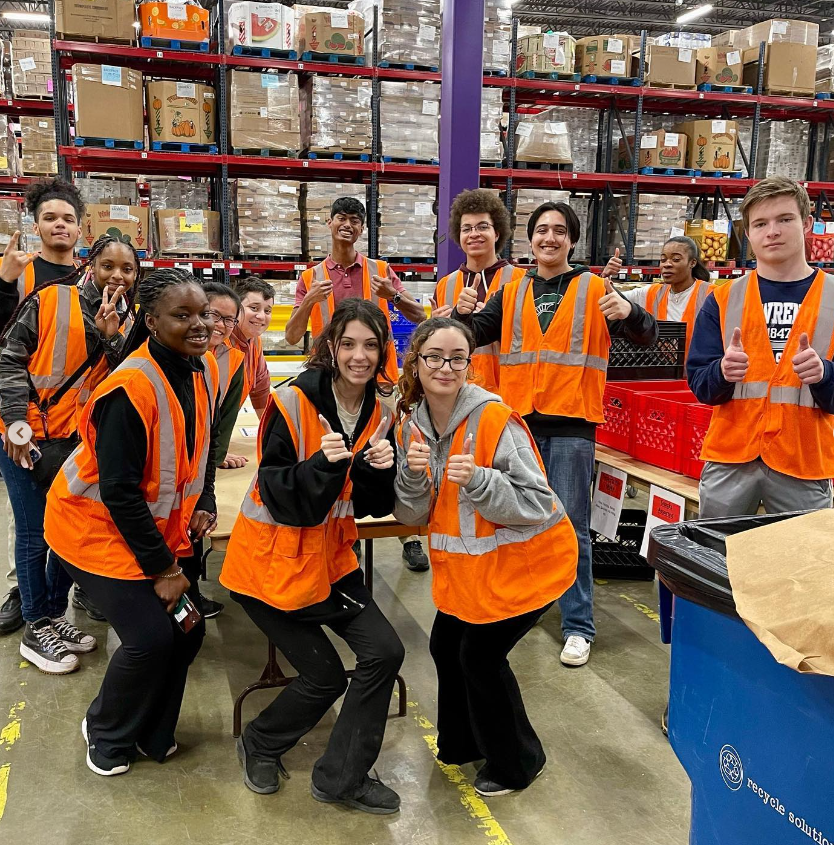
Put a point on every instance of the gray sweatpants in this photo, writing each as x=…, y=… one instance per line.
x=738, y=489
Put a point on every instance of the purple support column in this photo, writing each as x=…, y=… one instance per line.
x=460, y=116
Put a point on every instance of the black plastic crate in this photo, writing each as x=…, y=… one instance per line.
x=620, y=558
x=664, y=359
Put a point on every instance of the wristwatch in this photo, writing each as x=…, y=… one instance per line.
x=395, y=299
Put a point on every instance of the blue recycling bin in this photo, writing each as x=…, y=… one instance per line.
x=755, y=738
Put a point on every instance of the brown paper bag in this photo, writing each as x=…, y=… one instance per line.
x=782, y=577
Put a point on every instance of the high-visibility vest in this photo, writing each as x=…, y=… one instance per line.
x=286, y=566
x=484, y=572
x=484, y=358
x=657, y=302
x=323, y=311
x=26, y=280
x=229, y=361
x=561, y=372
x=172, y=483
x=772, y=415
x=251, y=360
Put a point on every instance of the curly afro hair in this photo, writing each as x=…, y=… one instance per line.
x=45, y=190
x=481, y=201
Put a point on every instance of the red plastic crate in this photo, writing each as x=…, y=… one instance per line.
x=659, y=424
x=696, y=423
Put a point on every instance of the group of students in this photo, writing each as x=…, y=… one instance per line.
x=491, y=444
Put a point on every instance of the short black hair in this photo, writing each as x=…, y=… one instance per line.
x=45, y=190
x=253, y=284
x=217, y=289
x=346, y=206
x=574, y=227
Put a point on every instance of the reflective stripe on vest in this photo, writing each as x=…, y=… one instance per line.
x=326, y=307
x=58, y=374
x=221, y=355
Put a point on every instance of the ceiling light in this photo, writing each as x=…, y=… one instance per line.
x=694, y=13
x=31, y=17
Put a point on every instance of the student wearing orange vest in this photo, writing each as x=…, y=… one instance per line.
x=502, y=550
x=684, y=289
x=325, y=448
x=761, y=355
x=62, y=341
x=142, y=485
x=257, y=298
x=554, y=327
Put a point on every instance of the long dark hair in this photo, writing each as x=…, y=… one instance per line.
x=369, y=315
x=699, y=271
x=411, y=389
x=151, y=290
x=77, y=274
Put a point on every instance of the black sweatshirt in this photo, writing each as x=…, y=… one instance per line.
x=639, y=327
x=45, y=271
x=302, y=493
x=121, y=448
x=226, y=418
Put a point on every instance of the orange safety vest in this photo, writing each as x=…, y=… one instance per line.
x=560, y=373
x=657, y=301
x=283, y=565
x=251, y=358
x=323, y=311
x=484, y=358
x=484, y=572
x=172, y=482
x=26, y=280
x=772, y=415
x=229, y=361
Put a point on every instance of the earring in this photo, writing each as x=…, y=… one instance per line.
x=414, y=373
x=333, y=361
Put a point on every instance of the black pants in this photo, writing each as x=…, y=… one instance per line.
x=480, y=713
x=356, y=739
x=141, y=694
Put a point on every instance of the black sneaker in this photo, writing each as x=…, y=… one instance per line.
x=490, y=789
x=74, y=639
x=81, y=601
x=414, y=556
x=211, y=608
x=379, y=799
x=357, y=550
x=98, y=763
x=11, y=615
x=259, y=774
x=42, y=647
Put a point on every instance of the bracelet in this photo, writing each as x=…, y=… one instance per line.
x=172, y=575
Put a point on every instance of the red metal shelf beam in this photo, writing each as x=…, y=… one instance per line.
x=18, y=107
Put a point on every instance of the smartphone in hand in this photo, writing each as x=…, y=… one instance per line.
x=185, y=614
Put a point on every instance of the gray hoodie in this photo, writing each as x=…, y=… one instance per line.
x=513, y=492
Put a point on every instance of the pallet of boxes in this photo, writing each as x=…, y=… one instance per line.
x=408, y=32
x=324, y=31
x=103, y=20
x=264, y=113
x=336, y=117
x=543, y=141
x=667, y=66
x=39, y=152
x=181, y=116
x=659, y=151
x=711, y=145
x=31, y=62
x=547, y=55
x=268, y=219
x=184, y=226
x=109, y=106
x=605, y=57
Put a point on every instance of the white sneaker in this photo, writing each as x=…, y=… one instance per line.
x=576, y=652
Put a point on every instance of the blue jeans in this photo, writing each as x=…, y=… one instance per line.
x=569, y=463
x=44, y=586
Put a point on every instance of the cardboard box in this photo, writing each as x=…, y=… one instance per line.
x=554, y=52
x=711, y=144
x=111, y=20
x=789, y=68
x=40, y=163
x=188, y=232
x=31, y=64
x=712, y=237
x=657, y=149
x=260, y=25
x=125, y=222
x=174, y=21
x=719, y=66
x=37, y=134
x=109, y=102
x=329, y=31
x=604, y=55
x=181, y=111
x=264, y=111
x=669, y=66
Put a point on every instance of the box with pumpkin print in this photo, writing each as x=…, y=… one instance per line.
x=711, y=144
x=657, y=149
x=181, y=111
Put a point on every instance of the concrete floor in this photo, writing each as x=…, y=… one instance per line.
x=611, y=775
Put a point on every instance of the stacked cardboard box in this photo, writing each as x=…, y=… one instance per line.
x=657, y=149
x=316, y=202
x=269, y=25
x=711, y=144
x=31, y=60
x=408, y=221
x=657, y=216
x=410, y=119
x=40, y=155
x=409, y=30
x=10, y=221
x=825, y=69
x=336, y=115
x=268, y=218
x=492, y=110
x=672, y=66
x=188, y=232
x=321, y=29
x=498, y=33
x=544, y=137
x=525, y=202
x=118, y=191
x=108, y=20
x=170, y=193
x=181, y=111
x=263, y=111
x=109, y=102
x=719, y=66
x=125, y=222
x=9, y=156
x=783, y=149
x=605, y=55
x=551, y=52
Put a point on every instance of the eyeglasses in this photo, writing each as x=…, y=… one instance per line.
x=436, y=362
x=228, y=322
x=483, y=228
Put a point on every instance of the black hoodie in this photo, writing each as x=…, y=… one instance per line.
x=301, y=493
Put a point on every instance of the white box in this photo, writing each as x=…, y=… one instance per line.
x=260, y=25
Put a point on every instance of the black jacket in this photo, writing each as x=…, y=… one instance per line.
x=302, y=493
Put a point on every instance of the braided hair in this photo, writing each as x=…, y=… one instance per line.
x=150, y=291
x=76, y=275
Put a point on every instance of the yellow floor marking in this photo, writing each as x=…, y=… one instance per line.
x=4, y=787
x=9, y=735
x=644, y=609
x=24, y=664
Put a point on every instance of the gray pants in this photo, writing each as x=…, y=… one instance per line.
x=738, y=489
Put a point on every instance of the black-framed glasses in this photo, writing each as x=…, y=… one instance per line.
x=228, y=322
x=436, y=362
x=483, y=228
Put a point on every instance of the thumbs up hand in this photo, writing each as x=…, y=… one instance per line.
x=807, y=365
x=612, y=305
x=468, y=297
x=440, y=310
x=418, y=451
x=381, y=452
x=461, y=468
x=332, y=444
x=614, y=265
x=735, y=362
